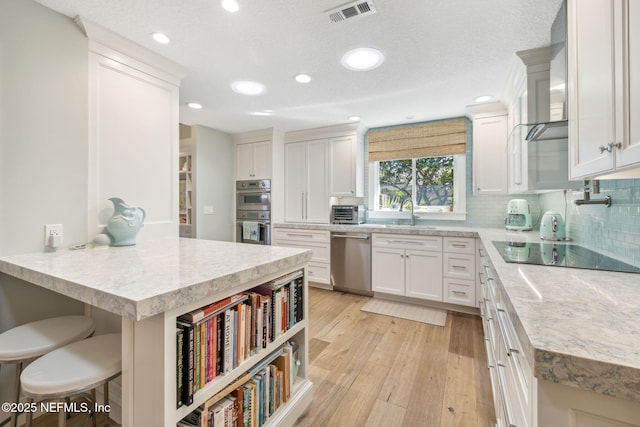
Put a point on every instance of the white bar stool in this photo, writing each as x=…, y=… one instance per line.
x=31, y=340
x=74, y=369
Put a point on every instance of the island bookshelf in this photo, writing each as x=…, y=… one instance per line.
x=299, y=398
x=158, y=403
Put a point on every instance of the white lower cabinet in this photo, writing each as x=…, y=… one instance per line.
x=407, y=265
x=521, y=399
x=459, y=265
x=513, y=383
x=318, y=241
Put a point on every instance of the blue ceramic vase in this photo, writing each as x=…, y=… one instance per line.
x=125, y=223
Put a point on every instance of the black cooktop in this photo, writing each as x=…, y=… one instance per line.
x=560, y=254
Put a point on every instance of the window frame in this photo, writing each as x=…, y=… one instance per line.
x=459, y=195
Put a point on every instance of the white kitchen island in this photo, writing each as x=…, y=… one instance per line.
x=149, y=285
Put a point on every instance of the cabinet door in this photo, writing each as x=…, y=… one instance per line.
x=262, y=160
x=244, y=162
x=490, y=154
x=423, y=274
x=387, y=271
x=518, y=165
x=317, y=197
x=294, y=181
x=342, y=178
x=591, y=86
x=629, y=153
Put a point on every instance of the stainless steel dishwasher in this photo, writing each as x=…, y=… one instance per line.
x=351, y=262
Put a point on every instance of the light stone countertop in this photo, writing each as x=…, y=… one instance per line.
x=577, y=327
x=151, y=277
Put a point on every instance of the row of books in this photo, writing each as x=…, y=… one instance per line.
x=215, y=339
x=253, y=398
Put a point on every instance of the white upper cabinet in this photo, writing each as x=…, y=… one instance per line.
x=318, y=164
x=603, y=52
x=490, y=134
x=253, y=160
x=342, y=153
x=306, y=195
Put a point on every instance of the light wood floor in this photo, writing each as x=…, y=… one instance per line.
x=380, y=371
x=374, y=371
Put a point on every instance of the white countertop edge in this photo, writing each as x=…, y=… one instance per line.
x=151, y=277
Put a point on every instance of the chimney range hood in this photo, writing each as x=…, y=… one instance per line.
x=547, y=109
x=540, y=143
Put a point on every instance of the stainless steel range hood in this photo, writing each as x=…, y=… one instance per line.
x=540, y=150
x=548, y=112
x=547, y=131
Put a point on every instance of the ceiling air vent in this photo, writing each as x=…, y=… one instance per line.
x=351, y=10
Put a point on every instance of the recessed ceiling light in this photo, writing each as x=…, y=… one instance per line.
x=262, y=113
x=246, y=87
x=362, y=59
x=230, y=5
x=354, y=118
x=194, y=105
x=303, y=78
x=483, y=98
x=160, y=38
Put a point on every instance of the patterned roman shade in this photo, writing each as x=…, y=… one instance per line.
x=423, y=140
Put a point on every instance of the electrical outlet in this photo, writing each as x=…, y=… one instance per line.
x=53, y=235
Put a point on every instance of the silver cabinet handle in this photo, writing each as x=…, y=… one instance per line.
x=351, y=236
x=610, y=146
x=459, y=267
x=506, y=336
x=458, y=245
x=299, y=235
x=481, y=252
x=505, y=396
x=405, y=242
x=459, y=292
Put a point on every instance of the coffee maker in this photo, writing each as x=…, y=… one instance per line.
x=518, y=215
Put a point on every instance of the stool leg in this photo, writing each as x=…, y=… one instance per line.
x=107, y=423
x=93, y=409
x=16, y=394
x=29, y=414
x=62, y=418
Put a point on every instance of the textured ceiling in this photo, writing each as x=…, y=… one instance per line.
x=440, y=55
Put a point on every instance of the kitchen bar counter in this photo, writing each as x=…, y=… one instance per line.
x=578, y=327
x=151, y=277
x=149, y=285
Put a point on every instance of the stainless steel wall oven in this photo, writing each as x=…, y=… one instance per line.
x=253, y=211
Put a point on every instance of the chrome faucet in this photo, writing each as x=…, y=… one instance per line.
x=413, y=217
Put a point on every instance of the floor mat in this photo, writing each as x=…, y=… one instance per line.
x=418, y=313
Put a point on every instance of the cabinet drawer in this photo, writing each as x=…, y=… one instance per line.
x=461, y=292
x=321, y=253
x=404, y=241
x=460, y=266
x=318, y=272
x=460, y=245
x=300, y=235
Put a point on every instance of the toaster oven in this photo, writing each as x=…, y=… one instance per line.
x=347, y=214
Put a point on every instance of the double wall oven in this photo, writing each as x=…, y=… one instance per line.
x=253, y=211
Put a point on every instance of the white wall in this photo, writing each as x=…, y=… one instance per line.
x=213, y=153
x=43, y=150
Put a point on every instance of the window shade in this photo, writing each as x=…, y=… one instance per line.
x=424, y=140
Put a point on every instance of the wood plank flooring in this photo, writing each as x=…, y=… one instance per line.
x=380, y=371
x=373, y=370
